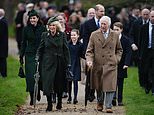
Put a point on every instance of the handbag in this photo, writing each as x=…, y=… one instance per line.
x=69, y=75
x=21, y=72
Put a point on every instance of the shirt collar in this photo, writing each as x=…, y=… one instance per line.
x=1, y=17
x=120, y=35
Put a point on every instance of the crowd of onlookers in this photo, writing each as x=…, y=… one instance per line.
x=134, y=45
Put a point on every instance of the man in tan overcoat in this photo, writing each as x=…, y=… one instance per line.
x=103, y=55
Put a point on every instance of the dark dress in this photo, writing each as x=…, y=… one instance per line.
x=30, y=43
x=54, y=54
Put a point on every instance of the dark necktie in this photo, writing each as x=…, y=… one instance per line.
x=152, y=37
x=98, y=23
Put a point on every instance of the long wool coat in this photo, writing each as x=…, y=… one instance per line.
x=105, y=55
x=76, y=51
x=54, y=55
x=30, y=43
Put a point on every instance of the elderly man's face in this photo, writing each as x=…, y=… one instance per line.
x=145, y=14
x=152, y=17
x=104, y=25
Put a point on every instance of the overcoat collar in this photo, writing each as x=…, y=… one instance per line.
x=101, y=38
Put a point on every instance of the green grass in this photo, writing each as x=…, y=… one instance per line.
x=12, y=31
x=12, y=90
x=135, y=100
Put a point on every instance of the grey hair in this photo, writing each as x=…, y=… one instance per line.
x=106, y=18
x=2, y=12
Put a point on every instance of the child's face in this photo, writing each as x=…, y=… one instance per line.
x=117, y=29
x=74, y=36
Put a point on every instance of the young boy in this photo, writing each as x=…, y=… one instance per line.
x=124, y=63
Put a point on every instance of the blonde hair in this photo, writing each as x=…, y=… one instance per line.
x=58, y=25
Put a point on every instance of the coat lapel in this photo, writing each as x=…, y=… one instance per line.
x=100, y=36
x=109, y=38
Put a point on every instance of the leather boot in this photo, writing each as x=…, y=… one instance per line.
x=31, y=98
x=49, y=106
x=59, y=104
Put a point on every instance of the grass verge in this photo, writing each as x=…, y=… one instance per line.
x=12, y=89
x=135, y=100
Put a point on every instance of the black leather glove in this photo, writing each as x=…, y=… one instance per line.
x=21, y=60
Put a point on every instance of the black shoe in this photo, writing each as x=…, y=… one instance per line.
x=49, y=107
x=75, y=101
x=69, y=100
x=39, y=96
x=114, y=102
x=31, y=102
x=59, y=106
x=147, y=91
x=91, y=98
x=120, y=104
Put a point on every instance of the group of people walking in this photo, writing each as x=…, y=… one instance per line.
x=102, y=42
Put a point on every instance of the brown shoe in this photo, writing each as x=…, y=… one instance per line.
x=99, y=106
x=109, y=111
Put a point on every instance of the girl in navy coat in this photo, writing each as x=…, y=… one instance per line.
x=76, y=51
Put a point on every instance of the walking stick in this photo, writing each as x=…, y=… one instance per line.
x=36, y=78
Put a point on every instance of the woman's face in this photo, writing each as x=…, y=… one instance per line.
x=74, y=36
x=52, y=28
x=34, y=20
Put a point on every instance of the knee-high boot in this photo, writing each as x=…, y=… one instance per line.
x=49, y=100
x=31, y=98
x=59, y=104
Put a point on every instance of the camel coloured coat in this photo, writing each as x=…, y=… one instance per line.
x=105, y=55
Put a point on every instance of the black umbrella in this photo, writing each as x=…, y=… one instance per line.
x=87, y=87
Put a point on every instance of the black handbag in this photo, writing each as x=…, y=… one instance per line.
x=21, y=72
x=69, y=75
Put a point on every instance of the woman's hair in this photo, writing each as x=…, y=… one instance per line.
x=76, y=30
x=39, y=21
x=58, y=25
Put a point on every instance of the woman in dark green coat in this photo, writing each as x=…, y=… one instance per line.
x=54, y=54
x=31, y=40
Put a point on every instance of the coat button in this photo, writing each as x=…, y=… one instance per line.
x=102, y=56
x=110, y=56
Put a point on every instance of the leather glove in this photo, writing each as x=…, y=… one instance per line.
x=21, y=61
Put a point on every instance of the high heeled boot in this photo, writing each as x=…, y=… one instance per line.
x=49, y=106
x=31, y=98
x=59, y=104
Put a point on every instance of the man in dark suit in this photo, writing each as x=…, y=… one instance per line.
x=3, y=43
x=124, y=62
x=90, y=26
x=134, y=38
x=147, y=53
x=19, y=24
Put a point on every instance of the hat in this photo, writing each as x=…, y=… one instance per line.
x=52, y=19
x=32, y=13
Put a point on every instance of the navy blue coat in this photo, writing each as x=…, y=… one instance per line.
x=76, y=51
x=126, y=57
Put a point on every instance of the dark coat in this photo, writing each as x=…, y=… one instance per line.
x=126, y=56
x=30, y=43
x=19, y=20
x=88, y=27
x=3, y=38
x=76, y=51
x=54, y=54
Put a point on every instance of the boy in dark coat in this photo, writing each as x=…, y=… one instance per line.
x=124, y=62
